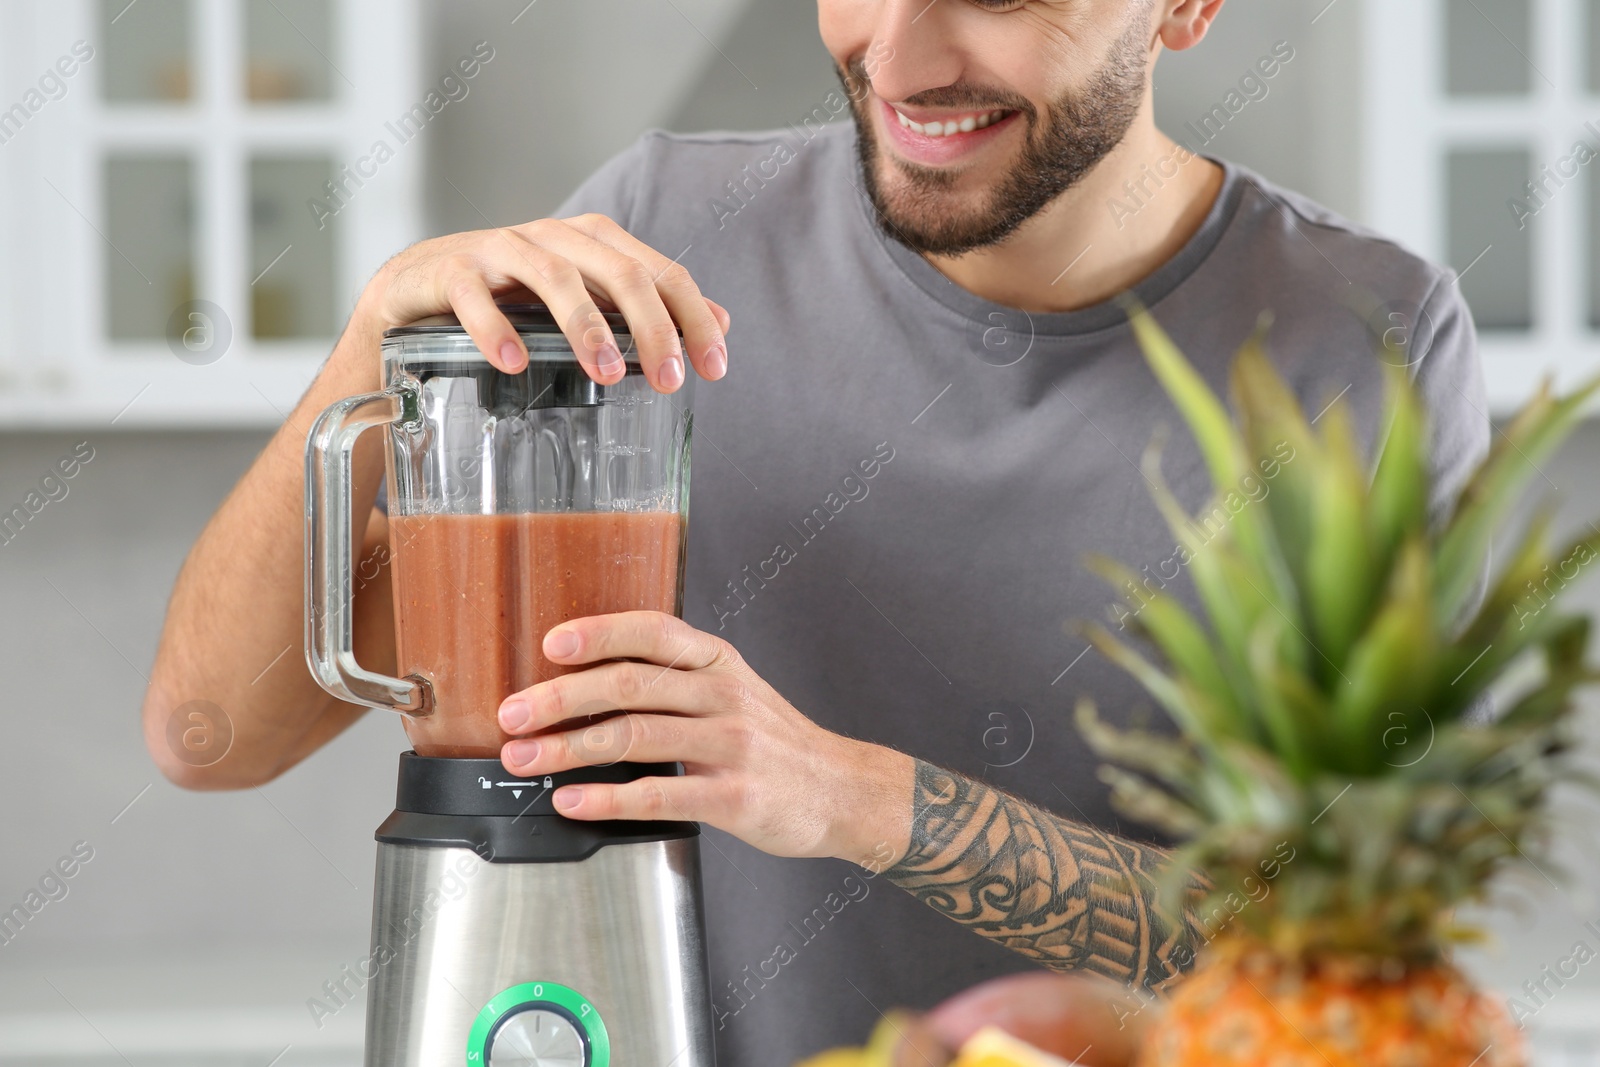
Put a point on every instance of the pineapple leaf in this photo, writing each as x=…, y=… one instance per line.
x=1530, y=439
x=1341, y=571
x=1186, y=705
x=1138, y=799
x=1399, y=491
x=1283, y=725
x=1225, y=454
x=1323, y=695
x=1213, y=428
x=1271, y=420
x=1390, y=666
x=1523, y=565
x=1176, y=633
x=1140, y=750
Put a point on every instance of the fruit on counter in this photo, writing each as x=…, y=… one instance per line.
x=894, y=1031
x=900, y=1041
x=1332, y=783
x=993, y=1047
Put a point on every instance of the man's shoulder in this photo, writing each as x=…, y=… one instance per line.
x=708, y=161
x=1275, y=219
x=677, y=187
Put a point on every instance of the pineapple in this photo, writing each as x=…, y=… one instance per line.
x=1327, y=782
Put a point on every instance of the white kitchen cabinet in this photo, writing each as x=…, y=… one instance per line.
x=171, y=253
x=1467, y=101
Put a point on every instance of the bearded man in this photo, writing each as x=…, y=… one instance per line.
x=937, y=410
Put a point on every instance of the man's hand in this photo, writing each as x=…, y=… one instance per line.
x=754, y=765
x=568, y=264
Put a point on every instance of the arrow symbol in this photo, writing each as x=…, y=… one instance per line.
x=516, y=792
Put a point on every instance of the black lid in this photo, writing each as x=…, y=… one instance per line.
x=533, y=319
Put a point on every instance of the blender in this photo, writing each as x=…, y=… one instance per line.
x=503, y=933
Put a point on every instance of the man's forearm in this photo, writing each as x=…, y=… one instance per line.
x=233, y=638
x=1058, y=892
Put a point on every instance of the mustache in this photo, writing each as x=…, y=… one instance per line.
x=959, y=95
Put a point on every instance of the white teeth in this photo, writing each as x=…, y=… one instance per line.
x=951, y=126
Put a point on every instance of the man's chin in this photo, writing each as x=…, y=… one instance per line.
x=923, y=211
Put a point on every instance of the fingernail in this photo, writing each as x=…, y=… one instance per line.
x=523, y=752
x=610, y=358
x=515, y=715
x=511, y=355
x=717, y=360
x=672, y=372
x=560, y=643
x=568, y=796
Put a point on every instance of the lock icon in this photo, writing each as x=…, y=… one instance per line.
x=549, y=782
x=483, y=782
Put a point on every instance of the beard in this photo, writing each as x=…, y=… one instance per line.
x=1077, y=130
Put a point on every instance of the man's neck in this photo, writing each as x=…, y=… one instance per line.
x=1115, y=227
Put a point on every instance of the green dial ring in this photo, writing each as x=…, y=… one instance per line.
x=531, y=995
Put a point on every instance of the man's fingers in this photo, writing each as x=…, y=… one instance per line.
x=686, y=799
x=653, y=636
x=723, y=318
x=503, y=263
x=583, y=695
x=467, y=293
x=703, y=328
x=625, y=283
x=578, y=268
x=632, y=737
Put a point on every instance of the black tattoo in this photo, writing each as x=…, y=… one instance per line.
x=1060, y=893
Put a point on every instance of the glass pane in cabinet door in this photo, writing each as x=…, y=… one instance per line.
x=1488, y=47
x=145, y=45
x=289, y=50
x=1490, y=244
x=149, y=246
x=291, y=247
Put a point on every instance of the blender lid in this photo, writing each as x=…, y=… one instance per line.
x=527, y=318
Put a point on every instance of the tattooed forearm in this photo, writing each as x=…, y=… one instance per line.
x=1061, y=893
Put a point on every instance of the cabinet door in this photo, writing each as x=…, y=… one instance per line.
x=1483, y=153
x=174, y=261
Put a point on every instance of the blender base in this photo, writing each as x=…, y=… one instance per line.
x=577, y=964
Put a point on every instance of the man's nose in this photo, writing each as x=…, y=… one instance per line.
x=922, y=49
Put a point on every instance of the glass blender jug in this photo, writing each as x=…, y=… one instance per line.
x=516, y=501
x=504, y=933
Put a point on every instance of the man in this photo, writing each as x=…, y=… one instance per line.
x=938, y=410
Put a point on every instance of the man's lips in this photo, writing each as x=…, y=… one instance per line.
x=935, y=138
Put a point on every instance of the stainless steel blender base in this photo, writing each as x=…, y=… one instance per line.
x=623, y=930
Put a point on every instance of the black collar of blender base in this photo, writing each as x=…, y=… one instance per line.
x=527, y=318
x=505, y=818
x=535, y=839
x=432, y=785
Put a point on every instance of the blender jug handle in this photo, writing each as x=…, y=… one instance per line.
x=330, y=624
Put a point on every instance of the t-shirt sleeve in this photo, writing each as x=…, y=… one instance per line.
x=1449, y=379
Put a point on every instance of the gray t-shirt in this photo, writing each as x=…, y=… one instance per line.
x=895, y=486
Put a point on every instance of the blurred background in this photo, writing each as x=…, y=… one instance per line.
x=194, y=191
